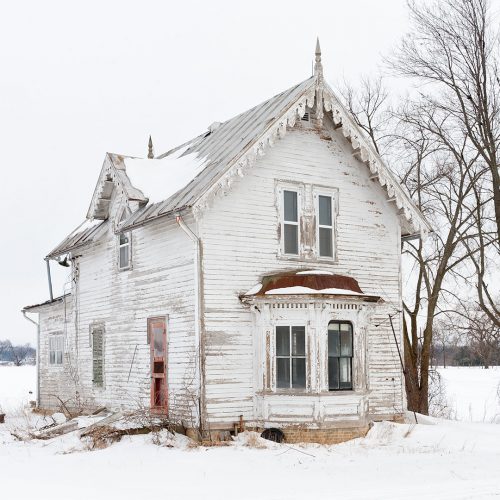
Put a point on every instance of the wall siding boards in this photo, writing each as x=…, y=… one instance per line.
x=240, y=243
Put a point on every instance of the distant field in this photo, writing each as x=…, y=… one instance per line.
x=473, y=392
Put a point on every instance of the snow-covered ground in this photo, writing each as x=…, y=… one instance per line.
x=436, y=459
x=473, y=393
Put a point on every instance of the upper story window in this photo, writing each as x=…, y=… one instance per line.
x=290, y=357
x=124, y=247
x=339, y=355
x=124, y=244
x=56, y=349
x=325, y=217
x=290, y=222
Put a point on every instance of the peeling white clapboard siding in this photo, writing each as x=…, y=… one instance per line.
x=240, y=242
x=239, y=234
x=160, y=283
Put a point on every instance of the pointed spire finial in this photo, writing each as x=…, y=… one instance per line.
x=150, y=149
x=318, y=67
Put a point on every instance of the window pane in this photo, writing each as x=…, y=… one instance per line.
x=333, y=342
x=345, y=373
x=97, y=347
x=333, y=373
x=290, y=206
x=124, y=256
x=291, y=239
x=345, y=343
x=298, y=340
x=298, y=372
x=282, y=340
x=325, y=242
x=123, y=238
x=158, y=340
x=59, y=357
x=52, y=357
x=283, y=372
x=325, y=210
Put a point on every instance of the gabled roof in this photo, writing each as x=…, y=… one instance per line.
x=227, y=149
x=223, y=145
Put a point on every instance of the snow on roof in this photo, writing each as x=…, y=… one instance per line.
x=159, y=179
x=296, y=290
x=315, y=271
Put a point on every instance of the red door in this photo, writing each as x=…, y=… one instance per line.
x=157, y=332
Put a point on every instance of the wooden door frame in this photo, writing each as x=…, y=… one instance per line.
x=151, y=321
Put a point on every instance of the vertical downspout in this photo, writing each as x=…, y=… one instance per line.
x=37, y=358
x=50, y=280
x=199, y=366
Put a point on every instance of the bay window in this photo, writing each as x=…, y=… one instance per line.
x=290, y=357
x=339, y=356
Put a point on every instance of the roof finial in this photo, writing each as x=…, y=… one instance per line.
x=150, y=149
x=318, y=67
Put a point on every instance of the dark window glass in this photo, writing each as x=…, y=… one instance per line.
x=123, y=239
x=283, y=375
x=291, y=239
x=290, y=206
x=325, y=242
x=290, y=357
x=282, y=340
x=124, y=253
x=339, y=356
x=298, y=372
x=325, y=211
x=298, y=341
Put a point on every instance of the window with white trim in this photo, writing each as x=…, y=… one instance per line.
x=290, y=222
x=339, y=356
x=56, y=349
x=124, y=246
x=290, y=357
x=325, y=208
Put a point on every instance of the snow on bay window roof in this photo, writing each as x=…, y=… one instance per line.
x=309, y=282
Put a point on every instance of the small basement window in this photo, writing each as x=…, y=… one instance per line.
x=290, y=357
x=339, y=356
x=56, y=349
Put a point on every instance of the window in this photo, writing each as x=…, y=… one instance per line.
x=290, y=222
x=124, y=246
x=290, y=357
x=339, y=356
x=56, y=349
x=98, y=356
x=325, y=226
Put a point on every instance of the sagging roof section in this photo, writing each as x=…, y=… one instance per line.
x=37, y=307
x=227, y=149
x=221, y=147
x=87, y=232
x=309, y=283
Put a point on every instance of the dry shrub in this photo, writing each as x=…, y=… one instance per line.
x=101, y=437
x=253, y=440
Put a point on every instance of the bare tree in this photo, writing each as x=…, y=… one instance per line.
x=454, y=47
x=20, y=353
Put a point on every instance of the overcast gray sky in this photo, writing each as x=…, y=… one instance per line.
x=80, y=79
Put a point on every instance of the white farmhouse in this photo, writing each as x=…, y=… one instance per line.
x=248, y=277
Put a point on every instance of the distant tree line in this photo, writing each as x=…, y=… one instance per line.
x=21, y=354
